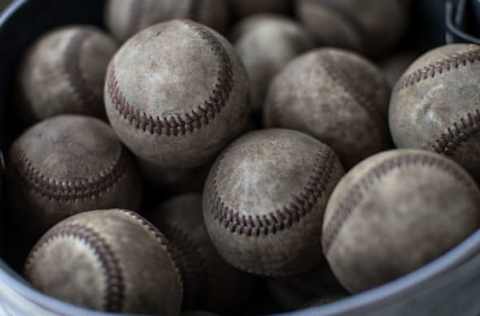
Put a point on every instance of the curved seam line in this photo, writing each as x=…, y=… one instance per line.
x=442, y=66
x=457, y=134
x=178, y=124
x=73, y=72
x=67, y=190
x=279, y=220
x=163, y=242
x=353, y=197
x=115, y=286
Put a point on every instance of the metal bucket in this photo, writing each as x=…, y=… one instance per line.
x=449, y=286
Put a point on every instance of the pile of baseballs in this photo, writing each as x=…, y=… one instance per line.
x=162, y=169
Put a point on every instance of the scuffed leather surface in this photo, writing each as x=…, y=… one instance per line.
x=336, y=96
x=396, y=212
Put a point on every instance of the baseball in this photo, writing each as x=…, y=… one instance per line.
x=265, y=198
x=64, y=73
x=210, y=283
x=409, y=205
x=111, y=260
x=66, y=165
x=125, y=18
x=336, y=96
x=177, y=103
x=435, y=105
x=266, y=43
x=371, y=27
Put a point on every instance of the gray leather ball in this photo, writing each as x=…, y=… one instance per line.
x=66, y=165
x=396, y=212
x=435, y=105
x=64, y=73
x=108, y=260
x=336, y=96
x=177, y=94
x=264, y=201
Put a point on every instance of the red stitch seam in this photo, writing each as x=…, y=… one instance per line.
x=456, y=135
x=300, y=206
x=358, y=191
x=164, y=243
x=431, y=71
x=59, y=190
x=115, y=289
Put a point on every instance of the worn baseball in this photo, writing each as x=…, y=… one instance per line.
x=435, y=105
x=112, y=260
x=265, y=198
x=336, y=96
x=66, y=165
x=297, y=291
x=266, y=43
x=243, y=8
x=371, y=27
x=177, y=103
x=125, y=18
x=210, y=283
x=64, y=73
x=396, y=212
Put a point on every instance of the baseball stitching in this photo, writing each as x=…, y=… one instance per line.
x=178, y=124
x=193, y=262
x=73, y=70
x=459, y=133
x=355, y=195
x=442, y=66
x=299, y=207
x=448, y=142
x=115, y=287
x=155, y=233
x=342, y=80
x=63, y=190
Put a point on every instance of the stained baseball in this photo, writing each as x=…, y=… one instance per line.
x=64, y=73
x=125, y=18
x=266, y=43
x=435, y=105
x=265, y=198
x=112, y=261
x=336, y=96
x=396, y=212
x=371, y=27
x=210, y=283
x=66, y=165
x=177, y=103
